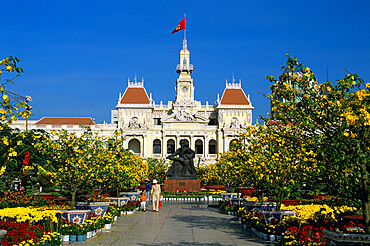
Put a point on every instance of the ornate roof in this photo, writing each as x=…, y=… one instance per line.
x=66, y=121
x=234, y=97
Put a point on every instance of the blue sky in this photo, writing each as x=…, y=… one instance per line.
x=77, y=55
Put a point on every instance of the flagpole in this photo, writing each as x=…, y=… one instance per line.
x=185, y=27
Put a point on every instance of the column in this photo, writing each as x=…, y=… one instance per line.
x=205, y=144
x=143, y=148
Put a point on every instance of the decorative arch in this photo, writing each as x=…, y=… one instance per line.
x=199, y=147
x=233, y=144
x=157, y=146
x=170, y=146
x=135, y=145
x=212, y=147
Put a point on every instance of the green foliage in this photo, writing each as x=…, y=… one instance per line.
x=336, y=121
x=157, y=168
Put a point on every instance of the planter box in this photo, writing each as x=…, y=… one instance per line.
x=277, y=215
x=119, y=201
x=134, y=196
x=75, y=216
x=46, y=196
x=261, y=206
x=61, y=201
x=238, y=201
x=228, y=196
x=215, y=187
x=346, y=239
x=247, y=192
x=287, y=202
x=99, y=208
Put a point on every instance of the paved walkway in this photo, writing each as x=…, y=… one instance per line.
x=175, y=225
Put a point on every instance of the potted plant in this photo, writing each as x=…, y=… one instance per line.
x=65, y=231
x=74, y=232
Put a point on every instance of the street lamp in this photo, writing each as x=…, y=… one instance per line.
x=28, y=108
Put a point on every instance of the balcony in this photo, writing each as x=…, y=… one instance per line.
x=180, y=68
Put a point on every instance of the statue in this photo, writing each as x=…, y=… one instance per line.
x=183, y=165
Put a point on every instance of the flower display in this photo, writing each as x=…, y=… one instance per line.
x=22, y=199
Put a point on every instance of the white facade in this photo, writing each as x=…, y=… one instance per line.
x=155, y=130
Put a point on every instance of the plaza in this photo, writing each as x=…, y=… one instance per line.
x=176, y=224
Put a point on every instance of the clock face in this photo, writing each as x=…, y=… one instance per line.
x=184, y=89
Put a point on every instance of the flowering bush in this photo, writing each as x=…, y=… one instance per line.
x=307, y=235
x=18, y=232
x=315, y=214
x=22, y=199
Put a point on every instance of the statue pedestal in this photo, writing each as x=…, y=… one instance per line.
x=182, y=184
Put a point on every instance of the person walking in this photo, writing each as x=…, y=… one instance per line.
x=148, y=187
x=143, y=199
x=156, y=194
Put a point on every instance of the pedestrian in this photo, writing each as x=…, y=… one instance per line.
x=143, y=199
x=156, y=194
x=148, y=187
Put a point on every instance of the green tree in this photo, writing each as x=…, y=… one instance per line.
x=14, y=144
x=336, y=120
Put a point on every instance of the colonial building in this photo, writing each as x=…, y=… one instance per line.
x=155, y=130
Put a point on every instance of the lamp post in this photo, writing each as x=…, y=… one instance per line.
x=28, y=108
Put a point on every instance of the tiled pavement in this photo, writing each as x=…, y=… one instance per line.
x=174, y=225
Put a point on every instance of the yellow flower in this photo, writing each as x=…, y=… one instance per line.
x=346, y=134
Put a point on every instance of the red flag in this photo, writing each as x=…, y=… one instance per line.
x=180, y=26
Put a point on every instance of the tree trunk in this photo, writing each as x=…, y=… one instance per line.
x=73, y=200
x=279, y=202
x=366, y=214
x=117, y=191
x=93, y=194
x=365, y=197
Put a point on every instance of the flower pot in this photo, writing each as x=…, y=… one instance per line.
x=228, y=196
x=268, y=216
x=80, y=238
x=115, y=218
x=245, y=226
x=89, y=234
x=75, y=216
x=134, y=196
x=278, y=238
x=272, y=238
x=119, y=201
x=99, y=208
x=85, y=237
x=266, y=206
x=73, y=238
x=65, y=238
x=108, y=226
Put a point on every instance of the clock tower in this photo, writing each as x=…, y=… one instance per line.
x=184, y=84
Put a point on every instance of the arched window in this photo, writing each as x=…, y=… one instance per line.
x=134, y=145
x=184, y=63
x=170, y=146
x=212, y=148
x=199, y=147
x=233, y=144
x=186, y=142
x=157, y=146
